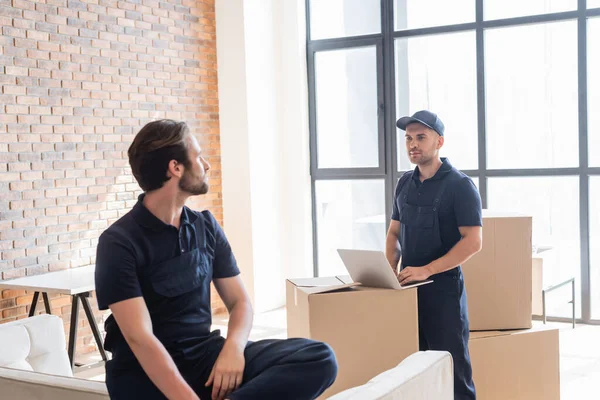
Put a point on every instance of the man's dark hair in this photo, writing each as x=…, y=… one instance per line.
x=155, y=145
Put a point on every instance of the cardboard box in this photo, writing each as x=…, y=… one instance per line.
x=370, y=330
x=537, y=285
x=498, y=278
x=516, y=365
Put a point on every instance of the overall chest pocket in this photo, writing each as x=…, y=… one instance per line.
x=419, y=238
x=417, y=217
x=180, y=275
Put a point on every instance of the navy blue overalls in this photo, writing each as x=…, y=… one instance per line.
x=443, y=319
x=177, y=294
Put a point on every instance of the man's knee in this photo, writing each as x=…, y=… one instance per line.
x=325, y=358
x=332, y=364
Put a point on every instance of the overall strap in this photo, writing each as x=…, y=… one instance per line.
x=406, y=177
x=200, y=226
x=438, y=196
x=437, y=203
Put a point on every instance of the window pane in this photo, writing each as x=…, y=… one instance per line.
x=423, y=82
x=593, y=93
x=498, y=9
x=341, y=18
x=346, y=97
x=595, y=245
x=554, y=204
x=531, y=96
x=349, y=215
x=593, y=3
x=411, y=14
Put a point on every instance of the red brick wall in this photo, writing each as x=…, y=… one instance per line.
x=77, y=80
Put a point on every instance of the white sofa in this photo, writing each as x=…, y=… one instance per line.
x=425, y=375
x=34, y=363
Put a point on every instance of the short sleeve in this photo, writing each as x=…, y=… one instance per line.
x=396, y=200
x=467, y=204
x=116, y=272
x=224, y=264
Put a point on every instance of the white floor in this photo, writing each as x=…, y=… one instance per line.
x=579, y=362
x=579, y=353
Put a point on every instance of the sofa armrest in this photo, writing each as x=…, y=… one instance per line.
x=19, y=384
x=425, y=375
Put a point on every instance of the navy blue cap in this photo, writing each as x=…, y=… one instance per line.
x=424, y=117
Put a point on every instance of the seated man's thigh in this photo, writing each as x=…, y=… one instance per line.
x=132, y=383
x=196, y=361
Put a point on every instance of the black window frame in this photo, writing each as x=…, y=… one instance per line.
x=387, y=169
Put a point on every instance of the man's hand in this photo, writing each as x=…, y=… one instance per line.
x=228, y=371
x=413, y=274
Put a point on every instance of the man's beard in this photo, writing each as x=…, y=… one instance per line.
x=192, y=186
x=423, y=160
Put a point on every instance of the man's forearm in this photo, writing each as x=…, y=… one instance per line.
x=240, y=324
x=458, y=255
x=160, y=368
x=392, y=251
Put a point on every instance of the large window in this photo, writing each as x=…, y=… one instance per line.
x=498, y=9
x=594, y=90
x=594, y=156
x=531, y=96
x=517, y=84
x=346, y=92
x=411, y=14
x=422, y=82
x=595, y=245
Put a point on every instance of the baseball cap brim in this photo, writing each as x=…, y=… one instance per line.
x=403, y=122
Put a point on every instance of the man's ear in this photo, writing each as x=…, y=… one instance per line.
x=440, y=142
x=174, y=169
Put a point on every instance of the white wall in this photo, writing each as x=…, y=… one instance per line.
x=294, y=155
x=264, y=142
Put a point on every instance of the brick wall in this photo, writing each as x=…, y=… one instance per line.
x=77, y=80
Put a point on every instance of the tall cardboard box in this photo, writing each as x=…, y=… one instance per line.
x=498, y=278
x=370, y=330
x=516, y=365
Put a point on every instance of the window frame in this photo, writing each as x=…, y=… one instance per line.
x=387, y=168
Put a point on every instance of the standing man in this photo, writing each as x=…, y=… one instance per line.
x=436, y=221
x=154, y=268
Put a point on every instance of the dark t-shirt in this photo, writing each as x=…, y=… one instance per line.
x=141, y=256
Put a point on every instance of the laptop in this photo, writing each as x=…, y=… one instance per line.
x=372, y=269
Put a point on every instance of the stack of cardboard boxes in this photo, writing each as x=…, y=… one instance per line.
x=510, y=359
x=372, y=330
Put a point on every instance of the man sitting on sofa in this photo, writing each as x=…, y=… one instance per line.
x=154, y=267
